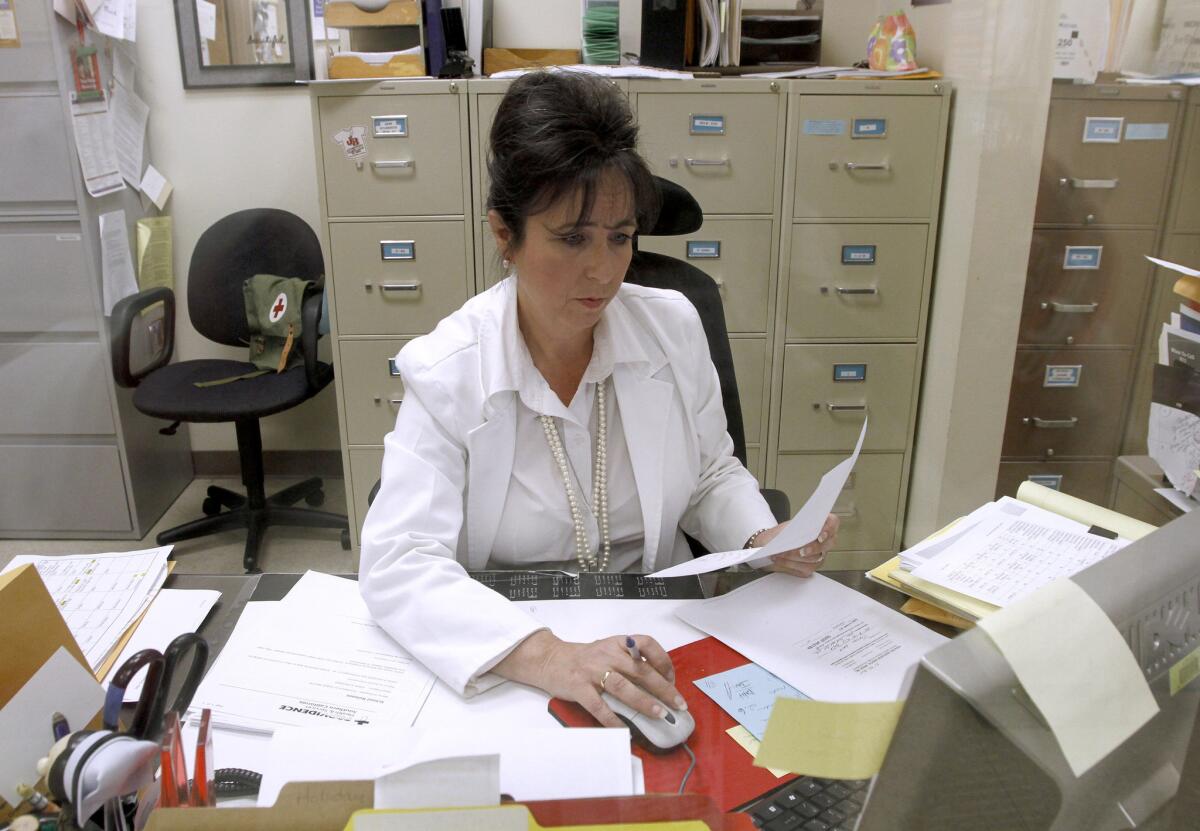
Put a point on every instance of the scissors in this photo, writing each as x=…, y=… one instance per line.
x=160, y=671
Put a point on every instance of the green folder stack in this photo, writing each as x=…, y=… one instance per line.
x=600, y=38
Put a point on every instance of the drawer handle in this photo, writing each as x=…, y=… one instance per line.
x=847, y=290
x=846, y=513
x=846, y=408
x=409, y=285
x=1089, y=184
x=1071, y=308
x=852, y=166
x=395, y=401
x=706, y=162
x=389, y=163
x=1052, y=423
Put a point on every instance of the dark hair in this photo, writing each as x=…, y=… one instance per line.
x=556, y=133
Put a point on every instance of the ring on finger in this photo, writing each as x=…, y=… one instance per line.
x=604, y=680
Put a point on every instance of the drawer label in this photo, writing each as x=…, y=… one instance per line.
x=1076, y=257
x=869, y=128
x=1098, y=130
x=389, y=126
x=393, y=370
x=353, y=141
x=703, y=249
x=849, y=372
x=824, y=127
x=858, y=255
x=1062, y=375
x=707, y=125
x=1047, y=480
x=392, y=249
x=1147, y=132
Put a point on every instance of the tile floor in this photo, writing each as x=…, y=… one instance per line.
x=282, y=550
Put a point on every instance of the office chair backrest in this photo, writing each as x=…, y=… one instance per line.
x=254, y=241
x=681, y=214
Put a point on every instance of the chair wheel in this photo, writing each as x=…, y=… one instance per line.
x=315, y=499
x=210, y=506
x=345, y=539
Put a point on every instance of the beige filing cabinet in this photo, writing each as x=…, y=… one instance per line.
x=1134, y=481
x=1106, y=169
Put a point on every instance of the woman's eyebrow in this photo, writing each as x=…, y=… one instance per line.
x=574, y=226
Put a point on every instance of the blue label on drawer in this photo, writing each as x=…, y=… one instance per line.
x=1047, y=480
x=858, y=255
x=869, y=128
x=1065, y=375
x=1147, y=132
x=824, y=127
x=849, y=372
x=1082, y=257
x=707, y=125
x=398, y=249
x=703, y=249
x=392, y=368
x=1102, y=130
x=389, y=126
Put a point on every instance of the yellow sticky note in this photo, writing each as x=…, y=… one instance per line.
x=1185, y=672
x=829, y=739
x=154, y=253
x=748, y=743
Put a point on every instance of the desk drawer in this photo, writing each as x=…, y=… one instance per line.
x=372, y=392
x=737, y=255
x=856, y=281
x=40, y=265
x=750, y=366
x=1086, y=480
x=823, y=406
x=408, y=295
x=868, y=505
x=720, y=146
x=365, y=465
x=62, y=488
x=1085, y=288
x=36, y=164
x=1066, y=403
x=54, y=388
x=420, y=173
x=866, y=156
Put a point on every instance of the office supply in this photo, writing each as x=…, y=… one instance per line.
x=827, y=739
x=94, y=145
x=829, y=803
x=607, y=71
x=159, y=680
x=826, y=640
x=129, y=114
x=751, y=745
x=116, y=274
x=516, y=585
x=452, y=782
x=497, y=60
x=173, y=789
x=657, y=735
x=632, y=647
x=157, y=189
x=203, y=790
x=400, y=63
x=748, y=693
x=100, y=595
x=171, y=613
x=601, y=21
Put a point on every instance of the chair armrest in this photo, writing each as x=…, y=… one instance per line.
x=124, y=314
x=779, y=504
x=310, y=319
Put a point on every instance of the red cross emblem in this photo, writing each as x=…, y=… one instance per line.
x=279, y=307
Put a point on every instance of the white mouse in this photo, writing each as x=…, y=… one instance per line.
x=657, y=734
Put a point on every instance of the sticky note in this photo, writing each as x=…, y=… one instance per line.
x=1076, y=668
x=835, y=740
x=748, y=743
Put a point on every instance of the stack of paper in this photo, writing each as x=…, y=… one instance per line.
x=100, y=596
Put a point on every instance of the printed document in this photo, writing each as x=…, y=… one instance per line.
x=116, y=267
x=173, y=612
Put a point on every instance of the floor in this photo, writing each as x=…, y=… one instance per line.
x=282, y=550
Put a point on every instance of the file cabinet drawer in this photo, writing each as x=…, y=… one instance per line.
x=1066, y=403
x=866, y=155
x=1121, y=182
x=36, y=165
x=483, y=116
x=1085, y=287
x=63, y=385
x=1187, y=173
x=750, y=366
x=737, y=255
x=719, y=146
x=63, y=488
x=868, y=505
x=38, y=265
x=419, y=173
x=372, y=390
x=829, y=388
x=365, y=465
x=396, y=278
x=856, y=281
x=1086, y=480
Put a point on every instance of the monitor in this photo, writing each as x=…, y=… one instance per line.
x=971, y=751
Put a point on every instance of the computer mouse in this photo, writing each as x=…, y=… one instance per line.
x=656, y=734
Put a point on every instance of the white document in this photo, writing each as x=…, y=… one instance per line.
x=206, y=19
x=1182, y=269
x=802, y=529
x=1005, y=559
x=100, y=595
x=1176, y=38
x=129, y=116
x=1082, y=43
x=1177, y=499
x=156, y=187
x=826, y=640
x=94, y=144
x=584, y=621
x=454, y=782
x=1077, y=669
x=1173, y=441
x=117, y=19
x=172, y=613
x=116, y=266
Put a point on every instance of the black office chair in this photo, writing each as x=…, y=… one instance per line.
x=256, y=241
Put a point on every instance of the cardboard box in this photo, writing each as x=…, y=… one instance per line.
x=498, y=60
x=382, y=65
x=395, y=13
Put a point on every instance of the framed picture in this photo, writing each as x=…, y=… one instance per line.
x=232, y=43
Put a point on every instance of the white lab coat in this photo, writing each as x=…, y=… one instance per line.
x=448, y=462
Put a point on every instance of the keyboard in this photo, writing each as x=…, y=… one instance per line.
x=810, y=804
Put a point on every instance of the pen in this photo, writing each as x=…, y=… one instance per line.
x=59, y=726
x=632, y=648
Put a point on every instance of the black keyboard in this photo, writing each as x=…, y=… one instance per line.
x=810, y=804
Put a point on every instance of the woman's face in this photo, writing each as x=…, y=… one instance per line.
x=567, y=271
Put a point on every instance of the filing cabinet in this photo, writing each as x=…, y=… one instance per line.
x=1086, y=480
x=372, y=389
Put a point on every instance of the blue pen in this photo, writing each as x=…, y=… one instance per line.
x=59, y=726
x=632, y=648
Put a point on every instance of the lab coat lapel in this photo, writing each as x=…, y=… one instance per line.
x=645, y=404
x=491, y=449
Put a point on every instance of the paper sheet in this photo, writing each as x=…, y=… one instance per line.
x=583, y=621
x=1077, y=669
x=156, y=187
x=751, y=745
x=116, y=267
x=835, y=741
x=94, y=144
x=171, y=613
x=802, y=529
x=117, y=19
x=1182, y=269
x=455, y=782
x=747, y=693
x=154, y=252
x=206, y=19
x=1177, y=499
x=826, y=640
x=129, y=117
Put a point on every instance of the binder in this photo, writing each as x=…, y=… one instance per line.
x=724, y=770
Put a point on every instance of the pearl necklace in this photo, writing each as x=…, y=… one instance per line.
x=599, y=485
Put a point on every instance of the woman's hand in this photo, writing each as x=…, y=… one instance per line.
x=581, y=671
x=802, y=562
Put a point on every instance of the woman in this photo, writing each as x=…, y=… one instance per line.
x=560, y=420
